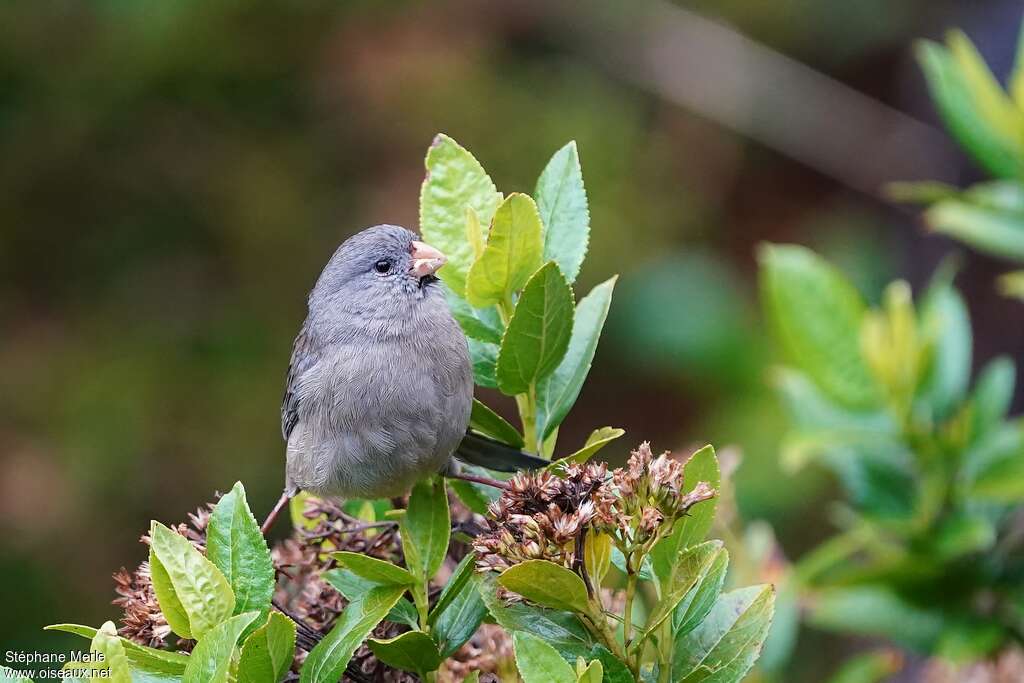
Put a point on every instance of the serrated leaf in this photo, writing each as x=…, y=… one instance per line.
x=698, y=601
x=268, y=651
x=688, y=568
x=546, y=584
x=454, y=181
x=170, y=605
x=461, y=618
x=210, y=661
x=426, y=528
x=816, y=315
x=411, y=651
x=236, y=546
x=562, y=200
x=355, y=588
x=512, y=253
x=950, y=92
x=538, y=333
x=538, y=662
x=691, y=529
x=489, y=423
x=159, y=663
x=201, y=590
x=327, y=661
x=557, y=394
x=728, y=641
x=114, y=658
x=562, y=630
x=373, y=569
x=598, y=439
x=484, y=358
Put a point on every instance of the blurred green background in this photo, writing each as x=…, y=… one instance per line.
x=174, y=175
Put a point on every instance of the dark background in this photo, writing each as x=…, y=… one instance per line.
x=174, y=175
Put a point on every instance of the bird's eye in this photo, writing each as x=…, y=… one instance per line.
x=382, y=266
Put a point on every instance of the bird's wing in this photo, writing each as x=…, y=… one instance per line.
x=303, y=358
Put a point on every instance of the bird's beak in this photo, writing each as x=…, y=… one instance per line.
x=425, y=259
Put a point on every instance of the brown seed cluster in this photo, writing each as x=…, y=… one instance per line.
x=542, y=515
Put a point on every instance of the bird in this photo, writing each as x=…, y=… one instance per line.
x=379, y=387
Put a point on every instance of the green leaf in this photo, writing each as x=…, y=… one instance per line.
x=698, y=601
x=538, y=333
x=210, y=661
x=481, y=324
x=489, y=423
x=727, y=643
x=372, y=569
x=236, y=546
x=426, y=528
x=870, y=667
x=547, y=584
x=691, y=529
x=456, y=582
x=593, y=673
x=327, y=662
x=993, y=394
x=597, y=555
x=557, y=394
x=268, y=651
x=990, y=230
x=562, y=200
x=114, y=658
x=471, y=494
x=991, y=102
x=816, y=316
x=460, y=619
x=944, y=318
x=994, y=468
x=687, y=570
x=538, y=662
x=950, y=91
x=159, y=663
x=512, y=254
x=454, y=181
x=187, y=584
x=598, y=439
x=355, y=588
x=562, y=630
x=484, y=357
x=411, y=651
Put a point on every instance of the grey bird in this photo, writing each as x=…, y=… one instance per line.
x=380, y=385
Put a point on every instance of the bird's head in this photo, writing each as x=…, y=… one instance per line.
x=379, y=272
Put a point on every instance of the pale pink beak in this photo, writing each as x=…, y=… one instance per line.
x=425, y=259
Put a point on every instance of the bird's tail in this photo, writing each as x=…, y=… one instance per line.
x=494, y=455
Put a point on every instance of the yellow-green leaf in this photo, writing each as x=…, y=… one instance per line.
x=538, y=662
x=454, y=181
x=107, y=643
x=598, y=439
x=546, y=584
x=211, y=661
x=512, y=253
x=268, y=651
x=201, y=590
